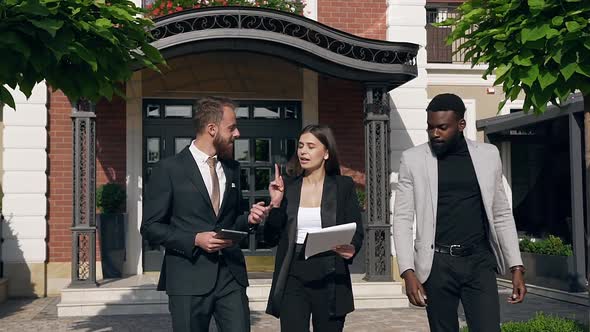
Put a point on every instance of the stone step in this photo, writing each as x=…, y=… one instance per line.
x=136, y=296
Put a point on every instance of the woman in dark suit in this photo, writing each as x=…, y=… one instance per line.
x=315, y=196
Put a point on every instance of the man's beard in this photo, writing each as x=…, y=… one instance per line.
x=440, y=149
x=224, y=148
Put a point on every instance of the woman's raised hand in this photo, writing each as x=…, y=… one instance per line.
x=276, y=188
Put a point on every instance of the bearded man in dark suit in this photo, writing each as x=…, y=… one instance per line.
x=189, y=198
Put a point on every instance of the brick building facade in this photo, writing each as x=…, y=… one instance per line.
x=336, y=102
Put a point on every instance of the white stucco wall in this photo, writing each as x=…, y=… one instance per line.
x=24, y=180
x=406, y=21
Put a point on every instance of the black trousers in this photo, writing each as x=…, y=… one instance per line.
x=302, y=300
x=471, y=280
x=227, y=303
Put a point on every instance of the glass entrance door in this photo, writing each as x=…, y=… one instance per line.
x=268, y=131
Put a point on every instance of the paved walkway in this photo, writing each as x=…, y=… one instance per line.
x=41, y=315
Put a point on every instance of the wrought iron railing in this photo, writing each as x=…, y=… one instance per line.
x=437, y=49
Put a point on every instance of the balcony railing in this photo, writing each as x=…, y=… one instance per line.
x=436, y=37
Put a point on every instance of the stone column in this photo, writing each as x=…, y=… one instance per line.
x=406, y=22
x=24, y=183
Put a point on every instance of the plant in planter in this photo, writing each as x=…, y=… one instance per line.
x=165, y=7
x=550, y=263
x=110, y=199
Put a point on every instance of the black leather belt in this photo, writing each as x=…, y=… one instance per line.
x=455, y=249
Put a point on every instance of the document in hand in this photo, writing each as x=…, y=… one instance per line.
x=327, y=238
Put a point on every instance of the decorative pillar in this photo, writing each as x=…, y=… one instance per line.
x=84, y=186
x=378, y=234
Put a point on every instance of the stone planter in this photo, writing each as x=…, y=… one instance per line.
x=112, y=244
x=550, y=271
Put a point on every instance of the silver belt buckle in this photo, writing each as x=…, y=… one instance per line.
x=456, y=246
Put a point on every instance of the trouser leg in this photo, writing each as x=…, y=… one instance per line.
x=442, y=292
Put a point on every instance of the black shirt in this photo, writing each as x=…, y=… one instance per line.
x=460, y=214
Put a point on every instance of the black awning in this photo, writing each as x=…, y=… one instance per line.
x=520, y=119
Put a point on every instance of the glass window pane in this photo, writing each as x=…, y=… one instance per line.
x=290, y=112
x=245, y=179
x=245, y=204
x=267, y=113
x=181, y=143
x=242, y=150
x=262, y=150
x=265, y=199
x=261, y=178
x=290, y=147
x=152, y=111
x=242, y=113
x=178, y=111
x=153, y=149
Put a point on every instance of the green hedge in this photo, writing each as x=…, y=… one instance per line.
x=542, y=323
x=550, y=246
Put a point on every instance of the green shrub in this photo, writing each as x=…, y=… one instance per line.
x=362, y=196
x=110, y=198
x=545, y=323
x=553, y=245
x=542, y=323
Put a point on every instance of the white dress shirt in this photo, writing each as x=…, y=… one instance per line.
x=200, y=158
x=308, y=219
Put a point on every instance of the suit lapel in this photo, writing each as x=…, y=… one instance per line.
x=479, y=165
x=192, y=171
x=229, y=178
x=431, y=164
x=329, y=202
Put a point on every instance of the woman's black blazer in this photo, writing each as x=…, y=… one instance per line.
x=339, y=206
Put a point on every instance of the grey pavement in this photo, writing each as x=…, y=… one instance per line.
x=41, y=315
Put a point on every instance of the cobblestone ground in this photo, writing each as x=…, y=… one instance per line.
x=41, y=315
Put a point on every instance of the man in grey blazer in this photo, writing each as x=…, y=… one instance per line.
x=465, y=230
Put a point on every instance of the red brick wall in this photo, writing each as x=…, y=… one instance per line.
x=366, y=18
x=110, y=165
x=59, y=236
x=110, y=142
x=341, y=107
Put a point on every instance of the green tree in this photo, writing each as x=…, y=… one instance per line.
x=86, y=48
x=538, y=47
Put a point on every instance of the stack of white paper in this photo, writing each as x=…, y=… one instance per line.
x=327, y=238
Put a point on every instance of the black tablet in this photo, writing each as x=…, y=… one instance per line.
x=230, y=234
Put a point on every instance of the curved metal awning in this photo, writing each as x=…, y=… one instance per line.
x=292, y=37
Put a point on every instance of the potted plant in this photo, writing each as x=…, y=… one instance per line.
x=110, y=200
x=549, y=263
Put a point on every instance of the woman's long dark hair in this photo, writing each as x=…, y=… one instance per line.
x=326, y=137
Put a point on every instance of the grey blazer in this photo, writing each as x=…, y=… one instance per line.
x=417, y=194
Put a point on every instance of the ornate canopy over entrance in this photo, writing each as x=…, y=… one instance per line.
x=292, y=37
x=381, y=66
